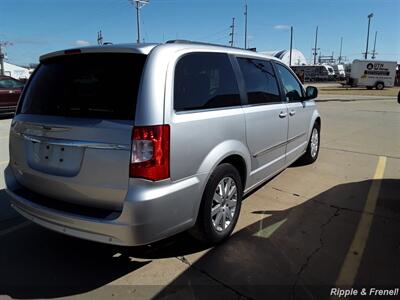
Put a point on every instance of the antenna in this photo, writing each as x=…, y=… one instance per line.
x=138, y=4
x=99, y=38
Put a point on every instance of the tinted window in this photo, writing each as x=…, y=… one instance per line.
x=205, y=80
x=260, y=80
x=293, y=90
x=97, y=85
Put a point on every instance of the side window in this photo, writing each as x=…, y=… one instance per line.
x=205, y=80
x=260, y=80
x=293, y=89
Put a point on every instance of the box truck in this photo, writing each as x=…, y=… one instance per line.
x=372, y=73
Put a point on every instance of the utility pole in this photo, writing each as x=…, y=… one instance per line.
x=3, y=44
x=245, y=25
x=99, y=38
x=1, y=62
x=232, y=31
x=291, y=45
x=374, y=52
x=315, y=49
x=369, y=23
x=340, y=54
x=138, y=4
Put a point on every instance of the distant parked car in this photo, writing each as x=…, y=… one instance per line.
x=10, y=90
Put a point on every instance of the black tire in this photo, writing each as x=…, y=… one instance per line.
x=204, y=230
x=380, y=86
x=309, y=157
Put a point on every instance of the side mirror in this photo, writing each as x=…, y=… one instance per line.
x=311, y=93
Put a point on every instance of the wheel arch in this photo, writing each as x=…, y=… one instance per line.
x=316, y=119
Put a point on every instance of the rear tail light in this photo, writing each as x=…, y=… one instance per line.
x=150, y=152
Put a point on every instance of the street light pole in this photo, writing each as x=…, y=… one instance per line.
x=138, y=4
x=315, y=49
x=369, y=23
x=137, y=22
x=245, y=26
x=374, y=51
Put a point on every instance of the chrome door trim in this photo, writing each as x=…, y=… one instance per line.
x=264, y=151
x=296, y=137
x=80, y=144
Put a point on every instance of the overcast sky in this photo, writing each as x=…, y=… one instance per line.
x=39, y=26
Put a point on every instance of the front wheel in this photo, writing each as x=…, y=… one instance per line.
x=220, y=206
x=312, y=151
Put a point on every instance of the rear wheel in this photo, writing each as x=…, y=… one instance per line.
x=380, y=86
x=220, y=206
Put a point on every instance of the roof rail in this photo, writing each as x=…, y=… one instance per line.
x=200, y=43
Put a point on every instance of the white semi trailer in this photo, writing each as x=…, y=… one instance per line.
x=372, y=73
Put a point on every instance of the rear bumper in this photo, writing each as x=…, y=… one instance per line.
x=151, y=211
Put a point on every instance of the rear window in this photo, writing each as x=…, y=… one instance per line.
x=95, y=85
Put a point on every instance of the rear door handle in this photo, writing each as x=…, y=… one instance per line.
x=292, y=112
x=283, y=114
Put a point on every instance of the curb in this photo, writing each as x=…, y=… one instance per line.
x=354, y=99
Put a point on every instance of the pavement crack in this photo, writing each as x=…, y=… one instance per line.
x=207, y=274
x=283, y=191
x=359, y=211
x=314, y=252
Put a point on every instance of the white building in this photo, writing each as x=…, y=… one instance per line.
x=16, y=71
x=298, y=58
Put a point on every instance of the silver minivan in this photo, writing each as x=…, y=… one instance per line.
x=129, y=144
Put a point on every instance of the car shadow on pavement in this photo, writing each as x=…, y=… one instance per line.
x=38, y=263
x=295, y=253
x=298, y=253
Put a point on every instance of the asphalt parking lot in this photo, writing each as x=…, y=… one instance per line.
x=333, y=223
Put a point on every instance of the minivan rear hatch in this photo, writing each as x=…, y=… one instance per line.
x=71, y=138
